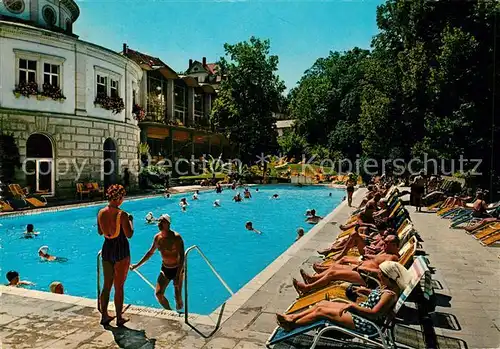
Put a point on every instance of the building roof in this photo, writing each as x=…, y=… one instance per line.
x=211, y=67
x=149, y=62
x=284, y=123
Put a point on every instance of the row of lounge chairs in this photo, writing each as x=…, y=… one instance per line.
x=91, y=190
x=21, y=199
x=461, y=216
x=336, y=291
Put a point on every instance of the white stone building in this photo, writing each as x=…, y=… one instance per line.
x=67, y=102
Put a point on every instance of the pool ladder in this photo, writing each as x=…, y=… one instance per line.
x=186, y=292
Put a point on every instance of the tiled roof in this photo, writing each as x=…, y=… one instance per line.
x=212, y=68
x=142, y=58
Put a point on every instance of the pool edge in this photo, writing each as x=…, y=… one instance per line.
x=233, y=304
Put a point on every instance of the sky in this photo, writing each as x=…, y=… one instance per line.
x=175, y=31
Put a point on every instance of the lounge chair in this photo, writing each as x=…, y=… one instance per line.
x=487, y=231
x=82, y=190
x=5, y=207
x=491, y=239
x=383, y=338
x=32, y=199
x=97, y=189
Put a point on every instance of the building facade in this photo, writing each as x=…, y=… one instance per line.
x=176, y=109
x=68, y=103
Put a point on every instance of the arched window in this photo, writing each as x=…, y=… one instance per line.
x=49, y=15
x=14, y=6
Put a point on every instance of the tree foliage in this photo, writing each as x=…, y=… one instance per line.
x=249, y=95
x=426, y=86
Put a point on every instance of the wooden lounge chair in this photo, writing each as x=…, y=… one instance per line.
x=82, y=190
x=485, y=231
x=5, y=207
x=491, y=239
x=34, y=200
x=383, y=337
x=97, y=189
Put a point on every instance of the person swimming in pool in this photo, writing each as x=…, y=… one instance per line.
x=171, y=247
x=237, y=197
x=275, y=196
x=13, y=279
x=150, y=218
x=247, y=193
x=56, y=287
x=117, y=227
x=195, y=195
x=300, y=234
x=217, y=203
x=183, y=204
x=313, y=219
x=30, y=232
x=249, y=226
x=43, y=253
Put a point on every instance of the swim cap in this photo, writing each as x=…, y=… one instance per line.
x=115, y=192
x=43, y=249
x=217, y=202
x=397, y=273
x=53, y=286
x=165, y=217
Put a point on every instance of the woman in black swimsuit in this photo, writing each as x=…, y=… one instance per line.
x=116, y=226
x=350, y=189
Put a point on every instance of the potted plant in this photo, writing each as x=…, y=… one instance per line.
x=138, y=112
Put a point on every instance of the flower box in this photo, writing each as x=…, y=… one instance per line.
x=114, y=104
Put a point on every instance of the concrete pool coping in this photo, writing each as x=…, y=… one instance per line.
x=232, y=305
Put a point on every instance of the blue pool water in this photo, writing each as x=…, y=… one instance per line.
x=236, y=253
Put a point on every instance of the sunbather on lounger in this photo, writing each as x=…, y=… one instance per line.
x=350, y=273
x=365, y=218
x=366, y=244
x=380, y=302
x=482, y=223
x=479, y=207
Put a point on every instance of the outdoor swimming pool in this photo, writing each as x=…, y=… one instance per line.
x=237, y=254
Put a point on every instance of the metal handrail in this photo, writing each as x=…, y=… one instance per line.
x=99, y=281
x=226, y=286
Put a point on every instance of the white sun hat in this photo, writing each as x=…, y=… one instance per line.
x=165, y=217
x=43, y=249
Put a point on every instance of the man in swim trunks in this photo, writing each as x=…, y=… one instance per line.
x=171, y=247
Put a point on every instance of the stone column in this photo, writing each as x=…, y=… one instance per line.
x=34, y=11
x=207, y=105
x=190, y=105
x=81, y=82
x=170, y=99
x=142, y=98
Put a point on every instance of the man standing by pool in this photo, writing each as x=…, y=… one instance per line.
x=171, y=247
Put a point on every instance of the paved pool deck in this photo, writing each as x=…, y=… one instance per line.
x=466, y=274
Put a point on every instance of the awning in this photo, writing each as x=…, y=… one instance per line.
x=167, y=72
x=189, y=80
x=207, y=88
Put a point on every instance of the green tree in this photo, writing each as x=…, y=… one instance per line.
x=248, y=97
